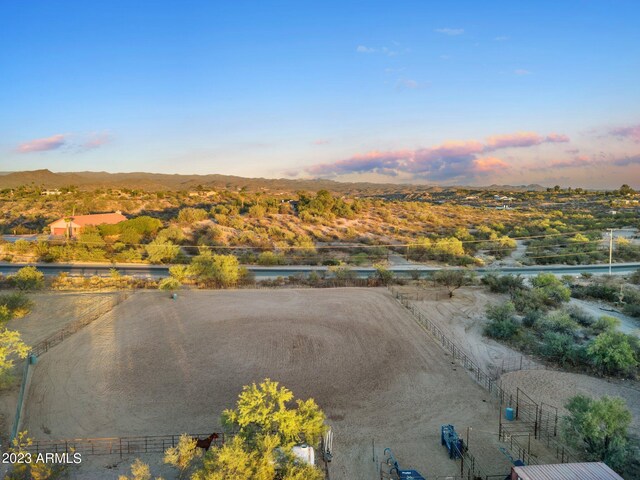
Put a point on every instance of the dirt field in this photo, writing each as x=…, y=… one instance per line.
x=556, y=388
x=157, y=366
x=50, y=313
x=462, y=318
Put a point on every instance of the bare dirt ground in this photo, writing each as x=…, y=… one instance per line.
x=555, y=388
x=156, y=366
x=50, y=313
x=462, y=318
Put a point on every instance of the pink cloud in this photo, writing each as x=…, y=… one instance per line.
x=523, y=139
x=320, y=141
x=488, y=165
x=519, y=139
x=96, y=140
x=632, y=132
x=556, y=138
x=579, y=161
x=451, y=160
x=42, y=144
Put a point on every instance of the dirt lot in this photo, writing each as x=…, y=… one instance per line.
x=157, y=366
x=50, y=313
x=556, y=388
x=462, y=319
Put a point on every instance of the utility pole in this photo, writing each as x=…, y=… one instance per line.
x=610, y=248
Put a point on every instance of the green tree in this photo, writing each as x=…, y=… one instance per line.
x=598, y=428
x=139, y=471
x=235, y=461
x=169, y=283
x=10, y=344
x=183, y=455
x=188, y=216
x=159, y=251
x=551, y=288
x=383, y=274
x=265, y=408
x=28, y=278
x=613, y=353
x=34, y=470
x=179, y=272
x=268, y=425
x=451, y=279
x=502, y=321
x=214, y=270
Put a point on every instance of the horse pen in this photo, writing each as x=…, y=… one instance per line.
x=155, y=366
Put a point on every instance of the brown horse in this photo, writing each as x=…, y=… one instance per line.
x=205, y=443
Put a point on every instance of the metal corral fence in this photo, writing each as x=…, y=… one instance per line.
x=541, y=420
x=115, y=446
x=86, y=317
x=519, y=362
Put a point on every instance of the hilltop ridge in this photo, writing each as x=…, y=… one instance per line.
x=89, y=180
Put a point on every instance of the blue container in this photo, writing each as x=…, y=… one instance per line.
x=509, y=414
x=33, y=359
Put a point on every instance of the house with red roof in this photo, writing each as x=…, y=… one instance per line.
x=72, y=226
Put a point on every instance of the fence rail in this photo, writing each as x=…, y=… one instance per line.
x=86, y=317
x=114, y=446
x=541, y=420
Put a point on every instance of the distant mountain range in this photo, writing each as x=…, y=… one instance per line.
x=160, y=181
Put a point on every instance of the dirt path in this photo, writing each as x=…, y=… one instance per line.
x=462, y=318
x=156, y=366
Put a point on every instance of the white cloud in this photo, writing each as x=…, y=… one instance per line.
x=450, y=31
x=363, y=49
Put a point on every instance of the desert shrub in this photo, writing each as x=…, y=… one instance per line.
x=17, y=305
x=551, y=288
x=503, y=283
x=359, y=258
x=190, y=215
x=613, y=353
x=531, y=317
x=559, y=322
x=580, y=315
x=528, y=300
x=161, y=251
x=271, y=258
x=599, y=291
x=502, y=321
x=214, y=270
x=169, y=283
x=606, y=324
x=599, y=429
x=635, y=277
x=28, y=278
x=632, y=309
x=561, y=347
x=383, y=275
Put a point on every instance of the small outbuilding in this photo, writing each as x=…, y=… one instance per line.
x=565, y=471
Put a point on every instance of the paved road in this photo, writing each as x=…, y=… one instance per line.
x=159, y=271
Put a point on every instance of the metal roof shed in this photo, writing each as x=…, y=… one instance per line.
x=565, y=471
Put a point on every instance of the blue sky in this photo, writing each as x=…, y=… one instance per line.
x=408, y=91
